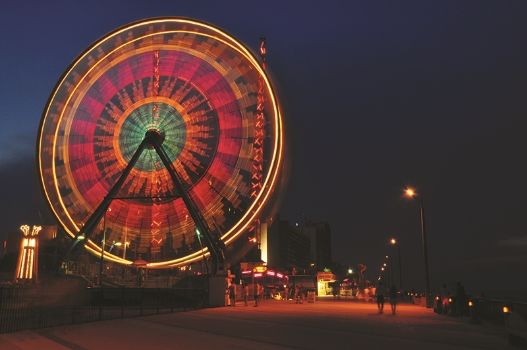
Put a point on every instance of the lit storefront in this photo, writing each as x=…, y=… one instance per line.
x=325, y=282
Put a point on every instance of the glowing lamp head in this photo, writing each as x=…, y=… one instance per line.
x=470, y=303
x=437, y=298
x=117, y=244
x=450, y=300
x=382, y=268
x=506, y=310
x=409, y=192
x=350, y=271
x=393, y=241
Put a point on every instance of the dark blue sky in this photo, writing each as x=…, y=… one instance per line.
x=377, y=94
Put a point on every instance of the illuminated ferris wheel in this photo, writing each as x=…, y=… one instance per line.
x=156, y=138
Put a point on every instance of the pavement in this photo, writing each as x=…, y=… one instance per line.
x=272, y=325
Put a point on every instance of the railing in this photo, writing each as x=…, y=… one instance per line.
x=24, y=308
x=510, y=314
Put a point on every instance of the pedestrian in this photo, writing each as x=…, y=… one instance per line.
x=380, y=298
x=444, y=295
x=256, y=294
x=393, y=298
x=299, y=294
x=245, y=294
x=232, y=294
x=461, y=299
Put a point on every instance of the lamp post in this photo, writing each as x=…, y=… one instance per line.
x=412, y=194
x=395, y=243
x=103, y=243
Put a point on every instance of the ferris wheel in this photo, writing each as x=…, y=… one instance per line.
x=164, y=136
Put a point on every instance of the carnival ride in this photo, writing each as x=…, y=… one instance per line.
x=164, y=137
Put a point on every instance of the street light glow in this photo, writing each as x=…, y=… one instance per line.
x=393, y=241
x=410, y=192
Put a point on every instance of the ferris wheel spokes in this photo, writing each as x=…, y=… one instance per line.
x=153, y=138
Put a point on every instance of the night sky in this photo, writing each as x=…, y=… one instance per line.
x=376, y=95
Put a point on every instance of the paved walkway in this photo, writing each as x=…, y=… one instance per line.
x=272, y=325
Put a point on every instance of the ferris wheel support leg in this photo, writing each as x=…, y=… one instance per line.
x=99, y=212
x=213, y=243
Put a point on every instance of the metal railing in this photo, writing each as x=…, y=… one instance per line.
x=24, y=308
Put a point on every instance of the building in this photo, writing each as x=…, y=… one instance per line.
x=286, y=246
x=319, y=234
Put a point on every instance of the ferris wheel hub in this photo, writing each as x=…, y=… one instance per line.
x=154, y=137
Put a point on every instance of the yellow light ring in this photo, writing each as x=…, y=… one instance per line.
x=268, y=184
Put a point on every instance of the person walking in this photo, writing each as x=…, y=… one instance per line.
x=232, y=294
x=245, y=292
x=379, y=293
x=256, y=294
x=444, y=295
x=393, y=299
x=461, y=300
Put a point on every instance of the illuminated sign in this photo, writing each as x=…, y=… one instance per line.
x=27, y=267
x=260, y=269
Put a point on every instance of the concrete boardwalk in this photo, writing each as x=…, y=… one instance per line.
x=272, y=325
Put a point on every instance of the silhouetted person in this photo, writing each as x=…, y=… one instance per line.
x=245, y=294
x=379, y=293
x=257, y=294
x=232, y=294
x=393, y=299
x=444, y=298
x=335, y=290
x=461, y=299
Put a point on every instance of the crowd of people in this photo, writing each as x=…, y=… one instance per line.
x=296, y=292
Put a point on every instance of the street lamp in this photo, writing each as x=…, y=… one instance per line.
x=103, y=243
x=394, y=243
x=410, y=193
